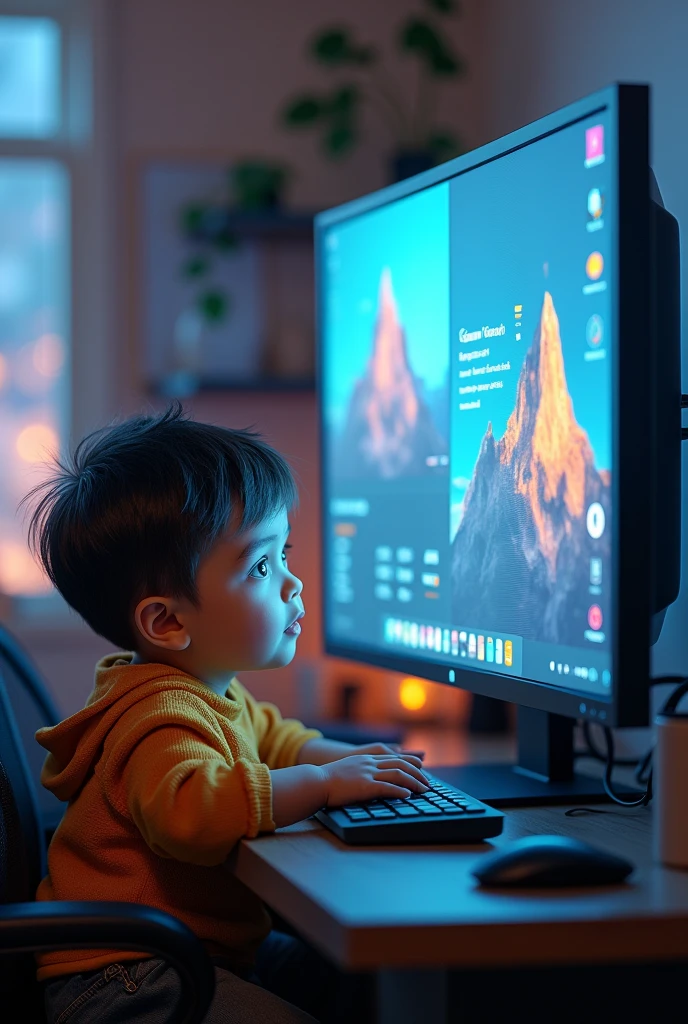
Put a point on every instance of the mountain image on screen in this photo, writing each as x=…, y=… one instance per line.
x=390, y=430
x=521, y=555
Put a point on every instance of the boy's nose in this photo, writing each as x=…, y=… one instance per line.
x=292, y=587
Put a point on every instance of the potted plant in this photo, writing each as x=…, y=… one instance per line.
x=420, y=142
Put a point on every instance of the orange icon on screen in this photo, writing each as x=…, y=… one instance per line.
x=594, y=265
x=508, y=652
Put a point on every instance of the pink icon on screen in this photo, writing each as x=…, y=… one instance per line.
x=594, y=145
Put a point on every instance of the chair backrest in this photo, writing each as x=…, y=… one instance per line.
x=22, y=846
x=33, y=707
x=22, y=858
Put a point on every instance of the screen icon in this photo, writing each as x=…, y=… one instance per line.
x=596, y=572
x=455, y=642
x=595, y=204
x=463, y=643
x=594, y=265
x=594, y=331
x=594, y=145
x=489, y=649
x=595, y=618
x=508, y=653
x=446, y=643
x=595, y=520
x=481, y=647
x=499, y=651
x=471, y=645
x=518, y=319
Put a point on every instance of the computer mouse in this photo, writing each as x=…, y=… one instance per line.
x=538, y=861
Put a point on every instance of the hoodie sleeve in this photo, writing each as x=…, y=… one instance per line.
x=188, y=801
x=279, y=739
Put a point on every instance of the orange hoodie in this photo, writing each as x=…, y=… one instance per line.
x=163, y=777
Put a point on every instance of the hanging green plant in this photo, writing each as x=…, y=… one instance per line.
x=336, y=112
x=252, y=186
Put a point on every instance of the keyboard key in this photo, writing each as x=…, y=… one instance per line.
x=382, y=812
x=408, y=812
x=474, y=810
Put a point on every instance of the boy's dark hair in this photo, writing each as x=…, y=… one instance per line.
x=136, y=506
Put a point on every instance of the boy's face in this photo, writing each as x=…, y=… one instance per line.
x=249, y=607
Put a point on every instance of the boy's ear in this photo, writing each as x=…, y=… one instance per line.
x=157, y=622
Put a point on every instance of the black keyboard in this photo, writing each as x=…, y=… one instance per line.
x=440, y=815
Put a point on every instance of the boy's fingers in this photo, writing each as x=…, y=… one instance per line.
x=397, y=776
x=403, y=768
x=396, y=758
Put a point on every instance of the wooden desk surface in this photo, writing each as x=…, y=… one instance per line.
x=394, y=907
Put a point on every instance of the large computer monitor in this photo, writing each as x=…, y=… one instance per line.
x=499, y=383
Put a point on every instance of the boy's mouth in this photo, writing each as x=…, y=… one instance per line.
x=295, y=628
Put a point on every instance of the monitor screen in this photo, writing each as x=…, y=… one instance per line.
x=467, y=346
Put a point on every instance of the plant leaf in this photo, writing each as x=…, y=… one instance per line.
x=304, y=110
x=418, y=36
x=340, y=139
x=214, y=306
x=196, y=266
x=444, y=6
x=344, y=101
x=336, y=47
x=258, y=184
x=191, y=219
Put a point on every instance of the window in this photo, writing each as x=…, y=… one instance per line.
x=34, y=339
x=29, y=77
x=51, y=225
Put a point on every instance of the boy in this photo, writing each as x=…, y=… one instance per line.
x=169, y=537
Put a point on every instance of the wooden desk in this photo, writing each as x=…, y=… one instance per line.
x=412, y=913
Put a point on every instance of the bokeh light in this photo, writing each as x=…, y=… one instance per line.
x=413, y=694
x=3, y=371
x=37, y=442
x=49, y=355
x=19, y=572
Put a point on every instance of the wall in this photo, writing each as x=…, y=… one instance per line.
x=543, y=55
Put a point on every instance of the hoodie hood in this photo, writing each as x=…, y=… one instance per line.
x=75, y=745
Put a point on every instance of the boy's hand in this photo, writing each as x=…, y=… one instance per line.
x=322, y=751
x=385, y=748
x=372, y=777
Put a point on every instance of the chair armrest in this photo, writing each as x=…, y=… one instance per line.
x=71, y=924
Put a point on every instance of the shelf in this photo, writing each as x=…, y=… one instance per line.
x=289, y=225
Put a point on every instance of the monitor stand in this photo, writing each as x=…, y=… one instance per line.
x=543, y=774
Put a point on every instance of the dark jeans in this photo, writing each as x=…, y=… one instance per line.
x=292, y=984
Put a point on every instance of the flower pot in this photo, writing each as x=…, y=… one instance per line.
x=408, y=162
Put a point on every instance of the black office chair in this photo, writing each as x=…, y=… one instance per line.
x=33, y=707
x=27, y=927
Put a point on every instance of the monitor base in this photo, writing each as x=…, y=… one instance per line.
x=505, y=785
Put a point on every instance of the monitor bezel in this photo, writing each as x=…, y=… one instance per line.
x=632, y=421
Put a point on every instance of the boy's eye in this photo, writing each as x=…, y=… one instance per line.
x=287, y=547
x=261, y=570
